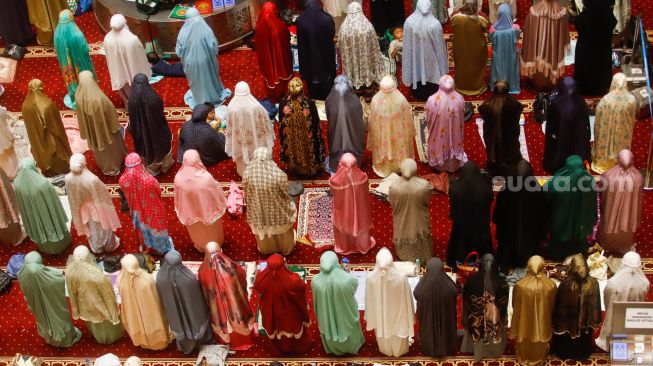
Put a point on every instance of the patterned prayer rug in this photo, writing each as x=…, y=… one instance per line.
x=314, y=217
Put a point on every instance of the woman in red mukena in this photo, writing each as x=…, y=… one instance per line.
x=272, y=43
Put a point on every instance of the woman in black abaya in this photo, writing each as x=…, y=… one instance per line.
x=518, y=215
x=501, y=114
x=387, y=14
x=436, y=311
x=567, y=127
x=149, y=127
x=14, y=23
x=593, y=65
x=317, y=50
x=470, y=199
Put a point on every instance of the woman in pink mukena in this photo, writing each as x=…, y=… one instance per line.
x=351, y=208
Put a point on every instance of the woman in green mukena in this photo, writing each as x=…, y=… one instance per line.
x=44, y=290
x=72, y=52
x=43, y=215
x=572, y=202
x=336, y=308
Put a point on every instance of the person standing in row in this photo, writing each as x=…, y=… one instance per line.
x=628, y=284
x=300, y=132
x=316, y=48
x=92, y=298
x=284, y=307
x=44, y=15
x=470, y=49
x=44, y=290
x=143, y=194
x=47, y=137
x=409, y=197
x=197, y=49
x=351, y=208
x=8, y=157
x=391, y=133
x=504, y=35
x=616, y=115
x=520, y=218
x=359, y=49
x=336, y=308
x=577, y=312
x=501, y=114
x=142, y=313
x=271, y=211
x=224, y=285
x=622, y=199
x=485, y=311
x=14, y=23
x=546, y=37
x=571, y=206
x=445, y=114
x=533, y=299
x=272, y=44
x=347, y=125
x=567, y=127
x=389, y=307
x=183, y=302
x=470, y=200
x=593, y=56
x=387, y=14
x=98, y=125
x=73, y=54
x=41, y=210
x=149, y=127
x=200, y=202
x=11, y=231
x=125, y=57
x=424, y=59
x=436, y=311
x=248, y=127
x=94, y=214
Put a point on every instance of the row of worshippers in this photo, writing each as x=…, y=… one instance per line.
x=197, y=48
x=567, y=131
x=216, y=304
x=563, y=213
x=425, y=61
x=567, y=128
x=272, y=211
x=148, y=123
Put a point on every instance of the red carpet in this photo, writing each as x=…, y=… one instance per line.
x=18, y=330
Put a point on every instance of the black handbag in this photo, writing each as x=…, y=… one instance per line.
x=5, y=282
x=14, y=52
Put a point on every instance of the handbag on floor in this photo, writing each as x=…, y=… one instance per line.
x=5, y=282
x=465, y=269
x=642, y=97
x=14, y=52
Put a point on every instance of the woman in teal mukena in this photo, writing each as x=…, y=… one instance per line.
x=72, y=52
x=197, y=48
x=336, y=308
x=505, y=61
x=44, y=291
